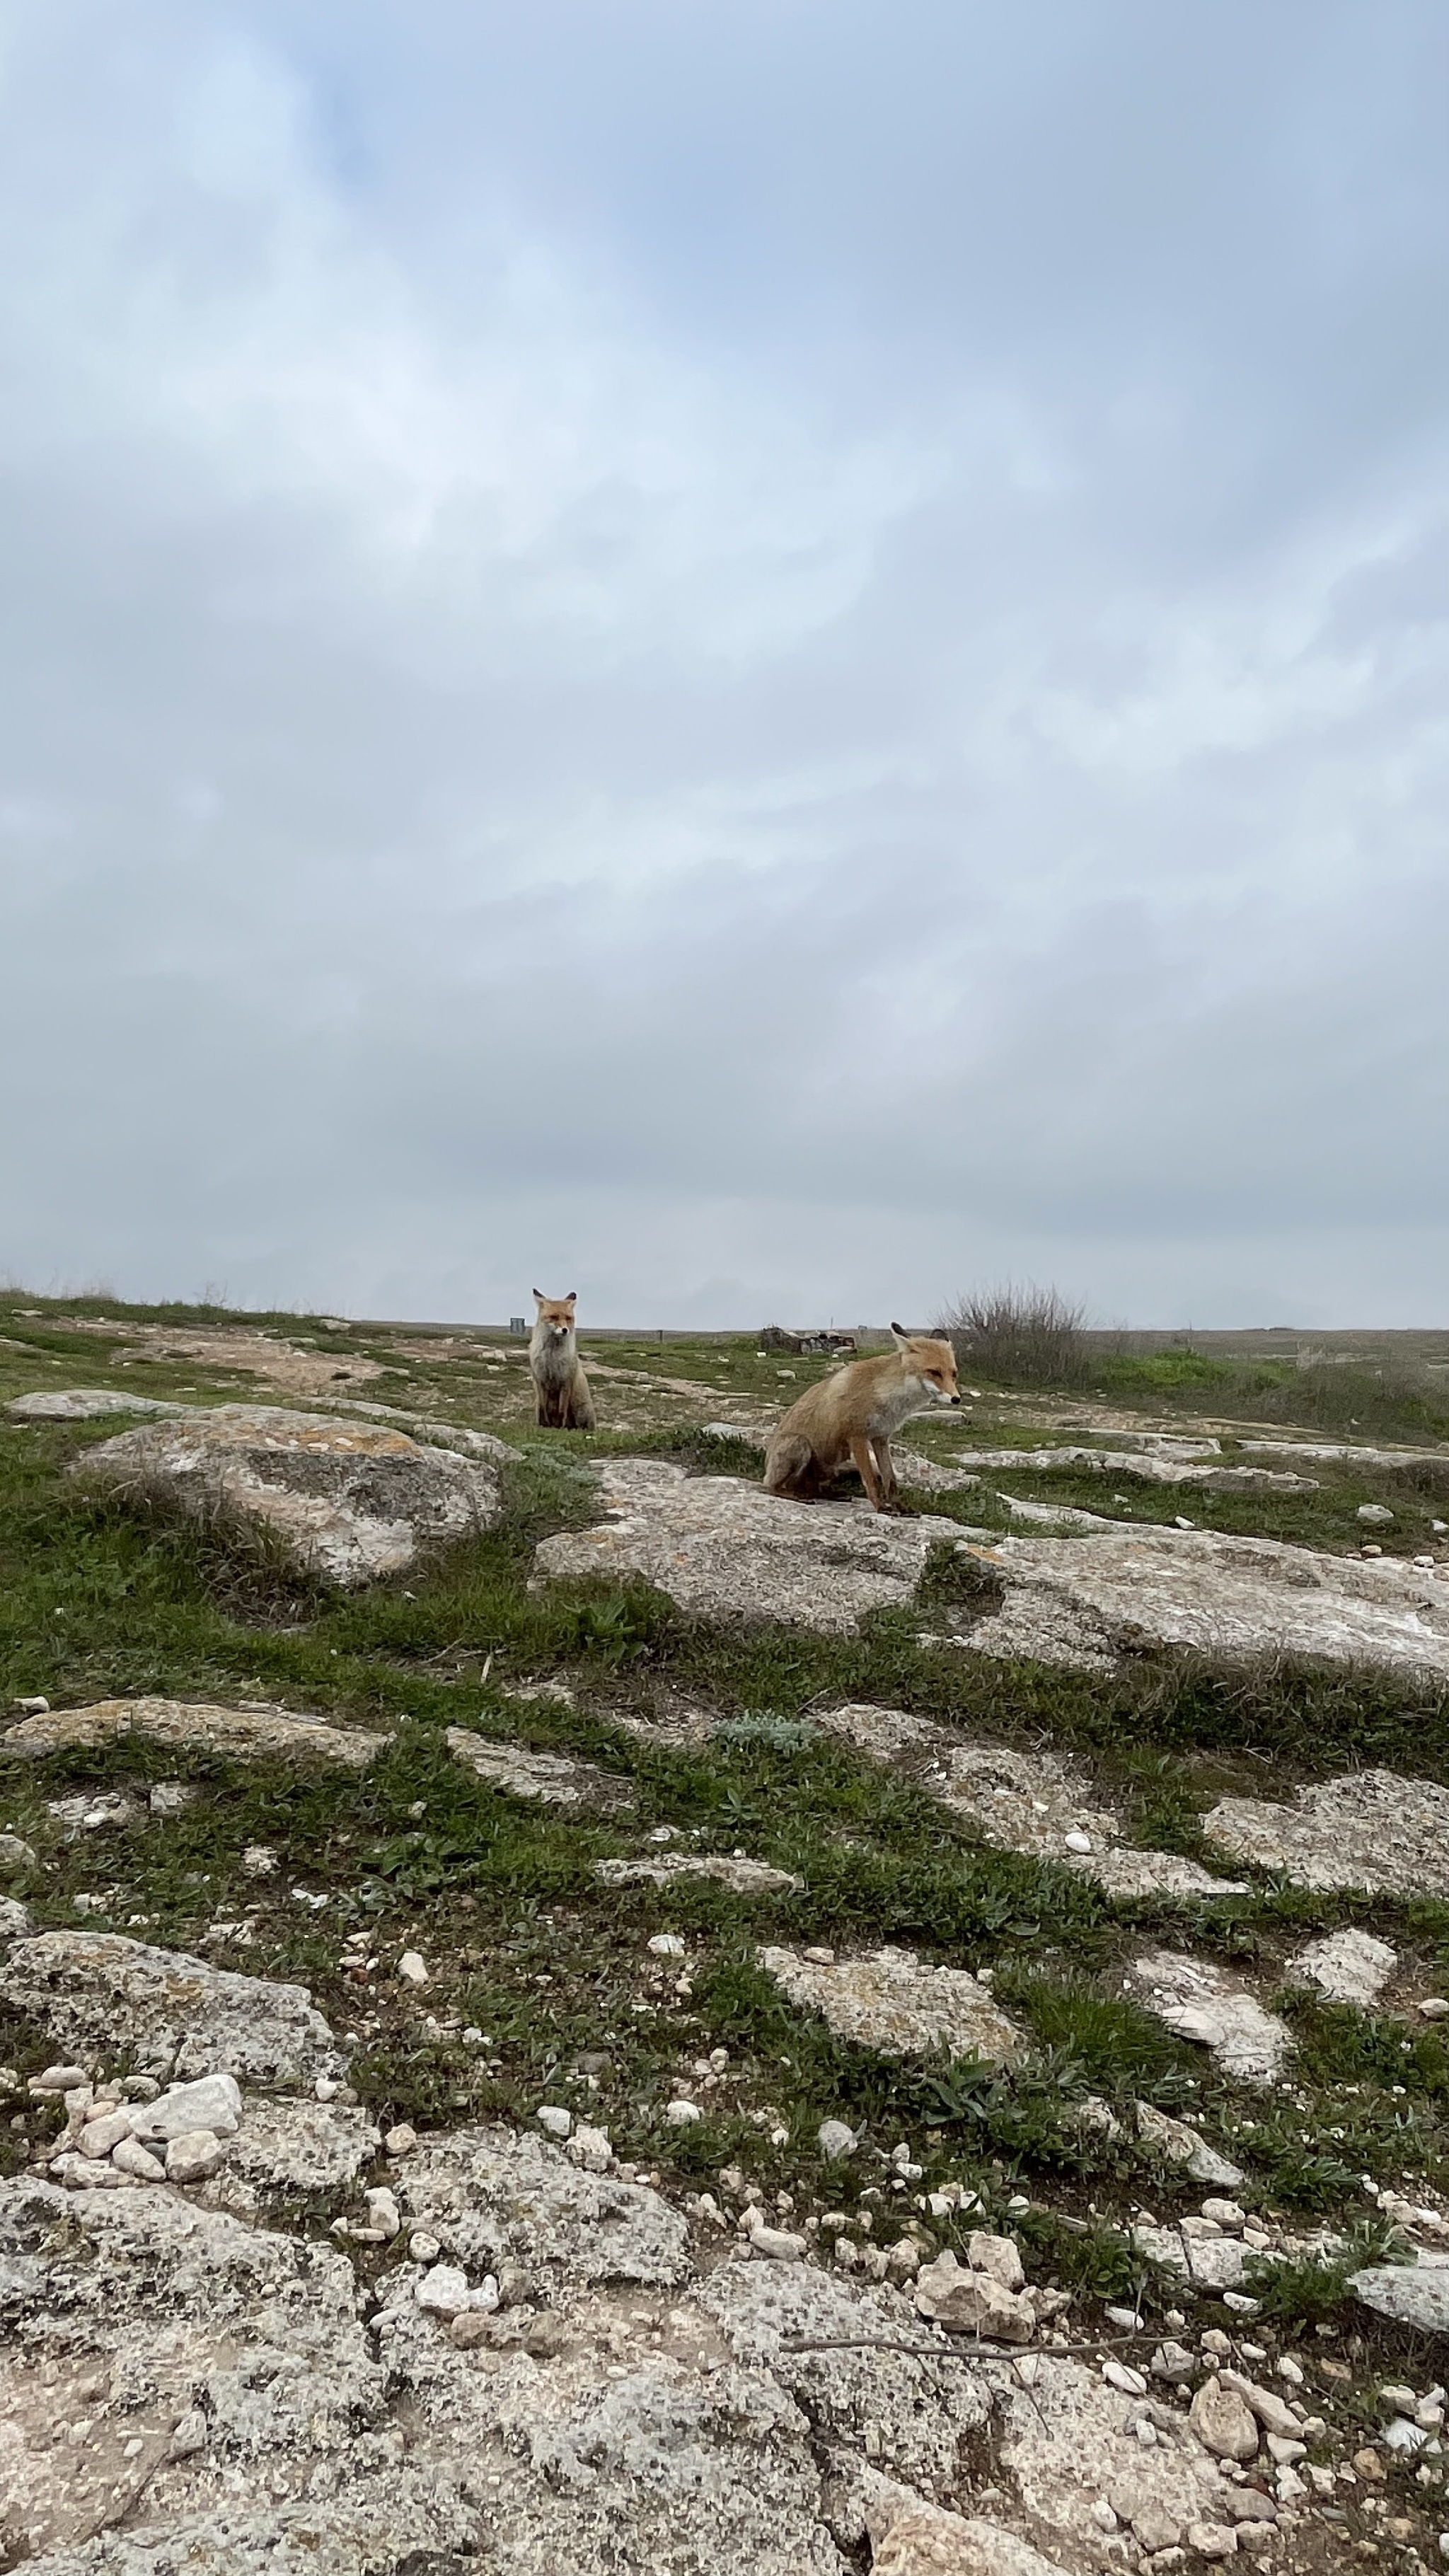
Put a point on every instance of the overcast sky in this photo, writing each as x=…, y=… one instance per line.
x=763, y=661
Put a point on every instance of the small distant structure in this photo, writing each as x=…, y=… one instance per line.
x=806, y=1345
x=518, y=1326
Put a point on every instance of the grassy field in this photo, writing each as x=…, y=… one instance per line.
x=542, y=1986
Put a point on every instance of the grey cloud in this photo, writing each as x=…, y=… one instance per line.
x=774, y=663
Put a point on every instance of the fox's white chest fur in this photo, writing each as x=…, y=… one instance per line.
x=896, y=1404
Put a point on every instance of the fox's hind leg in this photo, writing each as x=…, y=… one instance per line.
x=578, y=1406
x=791, y=1468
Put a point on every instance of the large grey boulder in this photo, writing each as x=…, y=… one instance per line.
x=347, y=1500
x=728, y=1550
x=100, y=1997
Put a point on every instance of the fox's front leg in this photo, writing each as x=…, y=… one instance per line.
x=890, y=1483
x=864, y=1463
x=885, y=1467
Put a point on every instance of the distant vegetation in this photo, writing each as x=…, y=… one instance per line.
x=1019, y=1337
x=1031, y=1337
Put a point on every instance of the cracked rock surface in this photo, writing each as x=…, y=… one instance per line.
x=1115, y=1589
x=724, y=1549
x=97, y=1991
x=893, y=2001
x=1367, y=1829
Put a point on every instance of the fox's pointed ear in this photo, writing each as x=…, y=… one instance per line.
x=900, y=1334
x=572, y=1298
x=539, y=1298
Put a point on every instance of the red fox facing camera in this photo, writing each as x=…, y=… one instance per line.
x=560, y=1387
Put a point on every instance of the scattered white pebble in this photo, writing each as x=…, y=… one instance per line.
x=666, y=1945
x=413, y=1968
x=423, y=2248
x=682, y=2115
x=1077, y=1841
x=401, y=2140
x=555, y=2119
x=443, y=2290
x=326, y=2088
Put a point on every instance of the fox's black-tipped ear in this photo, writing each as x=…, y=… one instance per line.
x=572, y=1298
x=900, y=1332
x=539, y=1298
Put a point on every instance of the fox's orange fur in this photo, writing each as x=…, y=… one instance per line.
x=847, y=1420
x=559, y=1383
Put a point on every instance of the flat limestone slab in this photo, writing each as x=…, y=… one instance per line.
x=1367, y=1829
x=1019, y=1802
x=558, y=1779
x=1148, y=1467
x=84, y=1404
x=99, y=1996
x=893, y=2001
x=349, y=1501
x=1347, y=1967
x=243, y=1734
x=741, y=1877
x=1200, y=2002
x=727, y=1550
x=1217, y=1594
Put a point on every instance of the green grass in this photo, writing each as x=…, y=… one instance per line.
x=526, y=1945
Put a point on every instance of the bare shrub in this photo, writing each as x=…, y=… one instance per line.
x=1019, y=1336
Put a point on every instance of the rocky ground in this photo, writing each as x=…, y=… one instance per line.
x=560, y=2012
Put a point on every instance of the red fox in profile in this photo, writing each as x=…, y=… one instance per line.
x=559, y=1383
x=849, y=1417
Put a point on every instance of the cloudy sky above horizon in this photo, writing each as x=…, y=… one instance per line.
x=765, y=662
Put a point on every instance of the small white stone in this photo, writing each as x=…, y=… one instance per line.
x=130, y=2157
x=552, y=2117
x=382, y=2211
x=1077, y=1841
x=665, y=1945
x=326, y=2088
x=1118, y=2374
x=1435, y=2008
x=776, y=2245
x=1103, y=2515
x=590, y=2148
x=1378, y=1515
x=258, y=1861
x=682, y=2115
x=443, y=2290
x=835, y=2139
x=189, y=2436
x=401, y=2140
x=413, y=1968
x=423, y=2248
